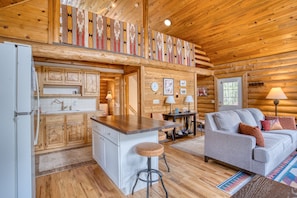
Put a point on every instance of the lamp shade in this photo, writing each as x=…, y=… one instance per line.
x=109, y=96
x=276, y=93
x=170, y=100
x=189, y=99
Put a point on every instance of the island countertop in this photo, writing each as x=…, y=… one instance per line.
x=131, y=124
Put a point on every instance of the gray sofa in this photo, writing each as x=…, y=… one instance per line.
x=223, y=141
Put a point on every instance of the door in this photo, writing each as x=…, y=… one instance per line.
x=229, y=93
x=131, y=94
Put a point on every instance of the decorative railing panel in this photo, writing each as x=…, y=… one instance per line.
x=86, y=29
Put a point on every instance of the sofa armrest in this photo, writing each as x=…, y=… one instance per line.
x=232, y=148
x=287, y=122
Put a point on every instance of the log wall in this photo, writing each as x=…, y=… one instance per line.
x=157, y=75
x=262, y=74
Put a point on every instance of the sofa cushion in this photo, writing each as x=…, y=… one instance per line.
x=275, y=145
x=227, y=121
x=246, y=117
x=258, y=115
x=254, y=131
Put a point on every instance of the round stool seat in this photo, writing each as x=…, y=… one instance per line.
x=149, y=149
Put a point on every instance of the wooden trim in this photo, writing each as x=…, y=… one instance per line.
x=145, y=28
x=70, y=53
x=10, y=3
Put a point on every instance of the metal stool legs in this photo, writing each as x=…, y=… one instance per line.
x=149, y=171
x=164, y=157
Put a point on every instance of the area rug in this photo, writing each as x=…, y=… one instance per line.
x=193, y=146
x=63, y=160
x=235, y=183
x=285, y=173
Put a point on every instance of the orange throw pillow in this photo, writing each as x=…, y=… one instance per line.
x=254, y=131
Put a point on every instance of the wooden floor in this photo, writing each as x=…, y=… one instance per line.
x=189, y=176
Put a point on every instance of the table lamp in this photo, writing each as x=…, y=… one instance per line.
x=189, y=99
x=170, y=100
x=276, y=93
x=108, y=98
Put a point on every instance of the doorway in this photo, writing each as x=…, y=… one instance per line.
x=131, y=104
x=229, y=93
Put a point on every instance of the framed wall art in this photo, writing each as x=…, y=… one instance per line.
x=183, y=83
x=202, y=91
x=168, y=85
x=183, y=91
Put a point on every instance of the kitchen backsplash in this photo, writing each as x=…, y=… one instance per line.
x=83, y=104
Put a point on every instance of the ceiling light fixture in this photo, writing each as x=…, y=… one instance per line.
x=167, y=22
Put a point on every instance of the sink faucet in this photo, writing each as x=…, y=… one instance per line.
x=57, y=101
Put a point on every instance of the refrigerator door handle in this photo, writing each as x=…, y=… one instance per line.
x=16, y=114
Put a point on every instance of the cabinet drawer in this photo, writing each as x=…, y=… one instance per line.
x=106, y=132
x=112, y=135
x=54, y=119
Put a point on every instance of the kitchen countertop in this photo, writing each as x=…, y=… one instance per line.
x=131, y=124
x=68, y=112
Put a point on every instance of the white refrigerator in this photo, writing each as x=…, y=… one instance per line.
x=17, y=165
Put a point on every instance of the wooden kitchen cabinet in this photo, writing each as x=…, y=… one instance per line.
x=54, y=75
x=62, y=76
x=89, y=124
x=54, y=131
x=91, y=84
x=73, y=77
x=76, y=129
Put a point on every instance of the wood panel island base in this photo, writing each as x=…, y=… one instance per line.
x=114, y=138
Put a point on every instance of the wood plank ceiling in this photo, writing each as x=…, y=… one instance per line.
x=227, y=30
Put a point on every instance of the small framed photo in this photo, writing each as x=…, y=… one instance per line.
x=202, y=91
x=168, y=84
x=183, y=83
x=183, y=91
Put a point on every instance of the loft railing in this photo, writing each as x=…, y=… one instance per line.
x=86, y=29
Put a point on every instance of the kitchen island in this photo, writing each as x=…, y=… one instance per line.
x=114, y=138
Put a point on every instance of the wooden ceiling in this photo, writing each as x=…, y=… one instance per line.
x=227, y=30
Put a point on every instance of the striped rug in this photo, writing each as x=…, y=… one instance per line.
x=234, y=183
x=285, y=173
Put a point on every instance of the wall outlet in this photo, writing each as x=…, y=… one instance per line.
x=156, y=101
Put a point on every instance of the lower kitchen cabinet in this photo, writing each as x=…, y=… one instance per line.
x=62, y=131
x=76, y=129
x=54, y=131
x=106, y=151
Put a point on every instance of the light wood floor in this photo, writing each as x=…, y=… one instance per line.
x=189, y=177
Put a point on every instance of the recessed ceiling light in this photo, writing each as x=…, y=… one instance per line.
x=136, y=5
x=167, y=22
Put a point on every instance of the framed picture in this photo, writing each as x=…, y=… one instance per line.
x=183, y=91
x=202, y=91
x=168, y=86
x=183, y=83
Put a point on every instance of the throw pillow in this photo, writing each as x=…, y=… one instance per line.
x=266, y=125
x=271, y=125
x=254, y=131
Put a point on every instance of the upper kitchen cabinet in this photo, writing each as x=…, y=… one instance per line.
x=62, y=76
x=91, y=84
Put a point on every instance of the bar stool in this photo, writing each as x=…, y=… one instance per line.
x=162, y=137
x=149, y=149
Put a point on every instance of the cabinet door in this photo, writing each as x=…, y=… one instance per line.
x=72, y=77
x=99, y=149
x=91, y=84
x=54, y=76
x=112, y=161
x=54, y=131
x=75, y=126
x=40, y=142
